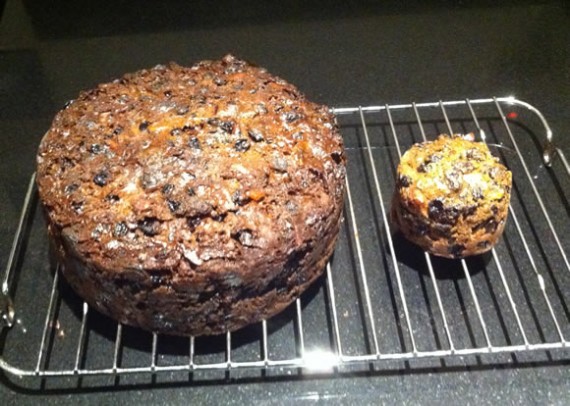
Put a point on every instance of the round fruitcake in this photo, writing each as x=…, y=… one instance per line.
x=192, y=200
x=451, y=197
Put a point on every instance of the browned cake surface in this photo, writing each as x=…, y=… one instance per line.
x=451, y=197
x=192, y=200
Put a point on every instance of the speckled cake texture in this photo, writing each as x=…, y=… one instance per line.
x=192, y=200
x=452, y=196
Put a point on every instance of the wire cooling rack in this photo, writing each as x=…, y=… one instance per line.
x=382, y=302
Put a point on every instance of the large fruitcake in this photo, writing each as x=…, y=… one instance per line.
x=192, y=200
x=451, y=197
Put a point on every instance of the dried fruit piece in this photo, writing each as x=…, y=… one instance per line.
x=242, y=145
x=101, y=178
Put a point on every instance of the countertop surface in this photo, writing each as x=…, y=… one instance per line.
x=338, y=53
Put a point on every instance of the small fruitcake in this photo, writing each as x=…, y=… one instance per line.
x=451, y=196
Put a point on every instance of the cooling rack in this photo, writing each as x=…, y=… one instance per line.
x=382, y=302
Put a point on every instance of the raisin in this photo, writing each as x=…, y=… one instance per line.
x=97, y=231
x=233, y=64
x=239, y=199
x=337, y=157
x=156, y=280
x=149, y=226
x=475, y=154
x=91, y=94
x=190, y=191
x=255, y=135
x=219, y=217
x=173, y=205
x=489, y=225
x=493, y=172
x=425, y=165
x=404, y=181
x=453, y=179
x=214, y=121
x=456, y=250
x=194, y=143
x=112, y=198
x=162, y=254
x=95, y=149
x=441, y=214
x=71, y=188
x=168, y=94
x=77, y=206
x=120, y=229
x=101, y=178
x=118, y=130
x=438, y=231
x=421, y=228
x=296, y=258
x=144, y=126
x=245, y=237
x=227, y=126
x=290, y=117
x=469, y=210
x=168, y=188
x=193, y=222
x=181, y=110
x=66, y=163
x=242, y=145
x=176, y=132
x=483, y=244
x=435, y=158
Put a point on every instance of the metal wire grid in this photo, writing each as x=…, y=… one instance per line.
x=337, y=356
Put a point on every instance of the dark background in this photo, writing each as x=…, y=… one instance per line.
x=341, y=53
